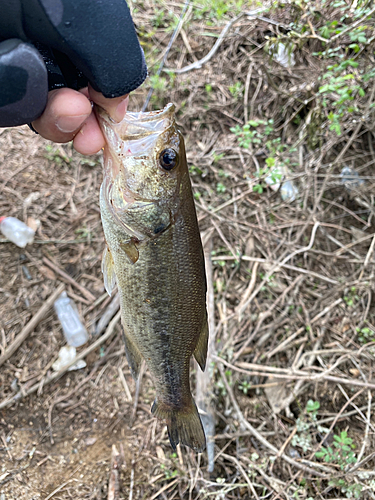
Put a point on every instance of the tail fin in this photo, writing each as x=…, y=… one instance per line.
x=184, y=425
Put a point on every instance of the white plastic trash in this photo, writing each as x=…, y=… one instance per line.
x=67, y=354
x=281, y=54
x=16, y=231
x=278, y=179
x=74, y=331
x=351, y=179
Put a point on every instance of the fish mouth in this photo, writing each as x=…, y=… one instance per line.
x=139, y=125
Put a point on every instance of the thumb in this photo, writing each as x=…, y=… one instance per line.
x=115, y=107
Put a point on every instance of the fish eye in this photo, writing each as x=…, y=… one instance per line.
x=168, y=159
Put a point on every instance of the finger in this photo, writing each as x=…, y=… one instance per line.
x=116, y=107
x=65, y=113
x=89, y=139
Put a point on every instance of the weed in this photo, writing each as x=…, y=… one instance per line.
x=351, y=298
x=304, y=423
x=56, y=155
x=236, y=90
x=341, y=453
x=244, y=386
x=365, y=335
x=260, y=133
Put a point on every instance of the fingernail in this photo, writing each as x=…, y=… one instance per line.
x=120, y=111
x=69, y=124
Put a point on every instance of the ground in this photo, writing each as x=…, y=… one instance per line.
x=290, y=272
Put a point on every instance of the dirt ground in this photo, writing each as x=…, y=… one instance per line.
x=290, y=299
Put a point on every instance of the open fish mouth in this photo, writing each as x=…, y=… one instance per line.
x=138, y=125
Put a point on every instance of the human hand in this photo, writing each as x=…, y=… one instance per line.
x=69, y=116
x=68, y=48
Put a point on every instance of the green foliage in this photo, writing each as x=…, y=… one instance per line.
x=365, y=335
x=56, y=155
x=236, y=90
x=350, y=490
x=344, y=81
x=216, y=9
x=244, y=386
x=351, y=297
x=304, y=423
x=341, y=452
x=260, y=133
x=220, y=188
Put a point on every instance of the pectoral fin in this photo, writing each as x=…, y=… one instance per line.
x=200, y=352
x=133, y=355
x=108, y=270
x=131, y=250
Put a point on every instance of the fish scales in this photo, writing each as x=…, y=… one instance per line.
x=154, y=253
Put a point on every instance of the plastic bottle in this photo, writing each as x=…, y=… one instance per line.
x=74, y=332
x=351, y=179
x=16, y=231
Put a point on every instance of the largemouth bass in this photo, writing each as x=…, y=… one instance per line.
x=154, y=254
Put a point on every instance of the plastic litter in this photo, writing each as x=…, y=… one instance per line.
x=66, y=355
x=16, y=231
x=278, y=180
x=74, y=331
x=351, y=179
x=282, y=56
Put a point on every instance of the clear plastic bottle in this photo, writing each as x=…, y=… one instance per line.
x=351, y=179
x=74, y=331
x=16, y=231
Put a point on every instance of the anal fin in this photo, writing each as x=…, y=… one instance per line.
x=200, y=352
x=133, y=355
x=108, y=270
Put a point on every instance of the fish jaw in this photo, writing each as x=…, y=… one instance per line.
x=135, y=186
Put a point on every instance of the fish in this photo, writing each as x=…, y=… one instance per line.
x=154, y=255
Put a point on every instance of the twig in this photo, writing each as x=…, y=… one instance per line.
x=291, y=375
x=241, y=469
x=114, y=476
x=244, y=300
x=54, y=376
x=164, y=488
x=125, y=384
x=59, y=489
x=287, y=266
x=171, y=41
x=204, y=379
x=219, y=41
x=261, y=439
x=89, y=296
x=31, y=325
x=137, y=391
x=283, y=344
x=108, y=314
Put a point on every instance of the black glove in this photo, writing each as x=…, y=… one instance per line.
x=47, y=44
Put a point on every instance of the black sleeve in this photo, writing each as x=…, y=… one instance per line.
x=68, y=43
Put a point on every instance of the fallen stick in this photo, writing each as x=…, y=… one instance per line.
x=54, y=376
x=108, y=314
x=304, y=465
x=12, y=348
x=205, y=379
x=114, y=475
x=89, y=296
x=219, y=41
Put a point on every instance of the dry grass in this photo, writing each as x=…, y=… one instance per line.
x=291, y=288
